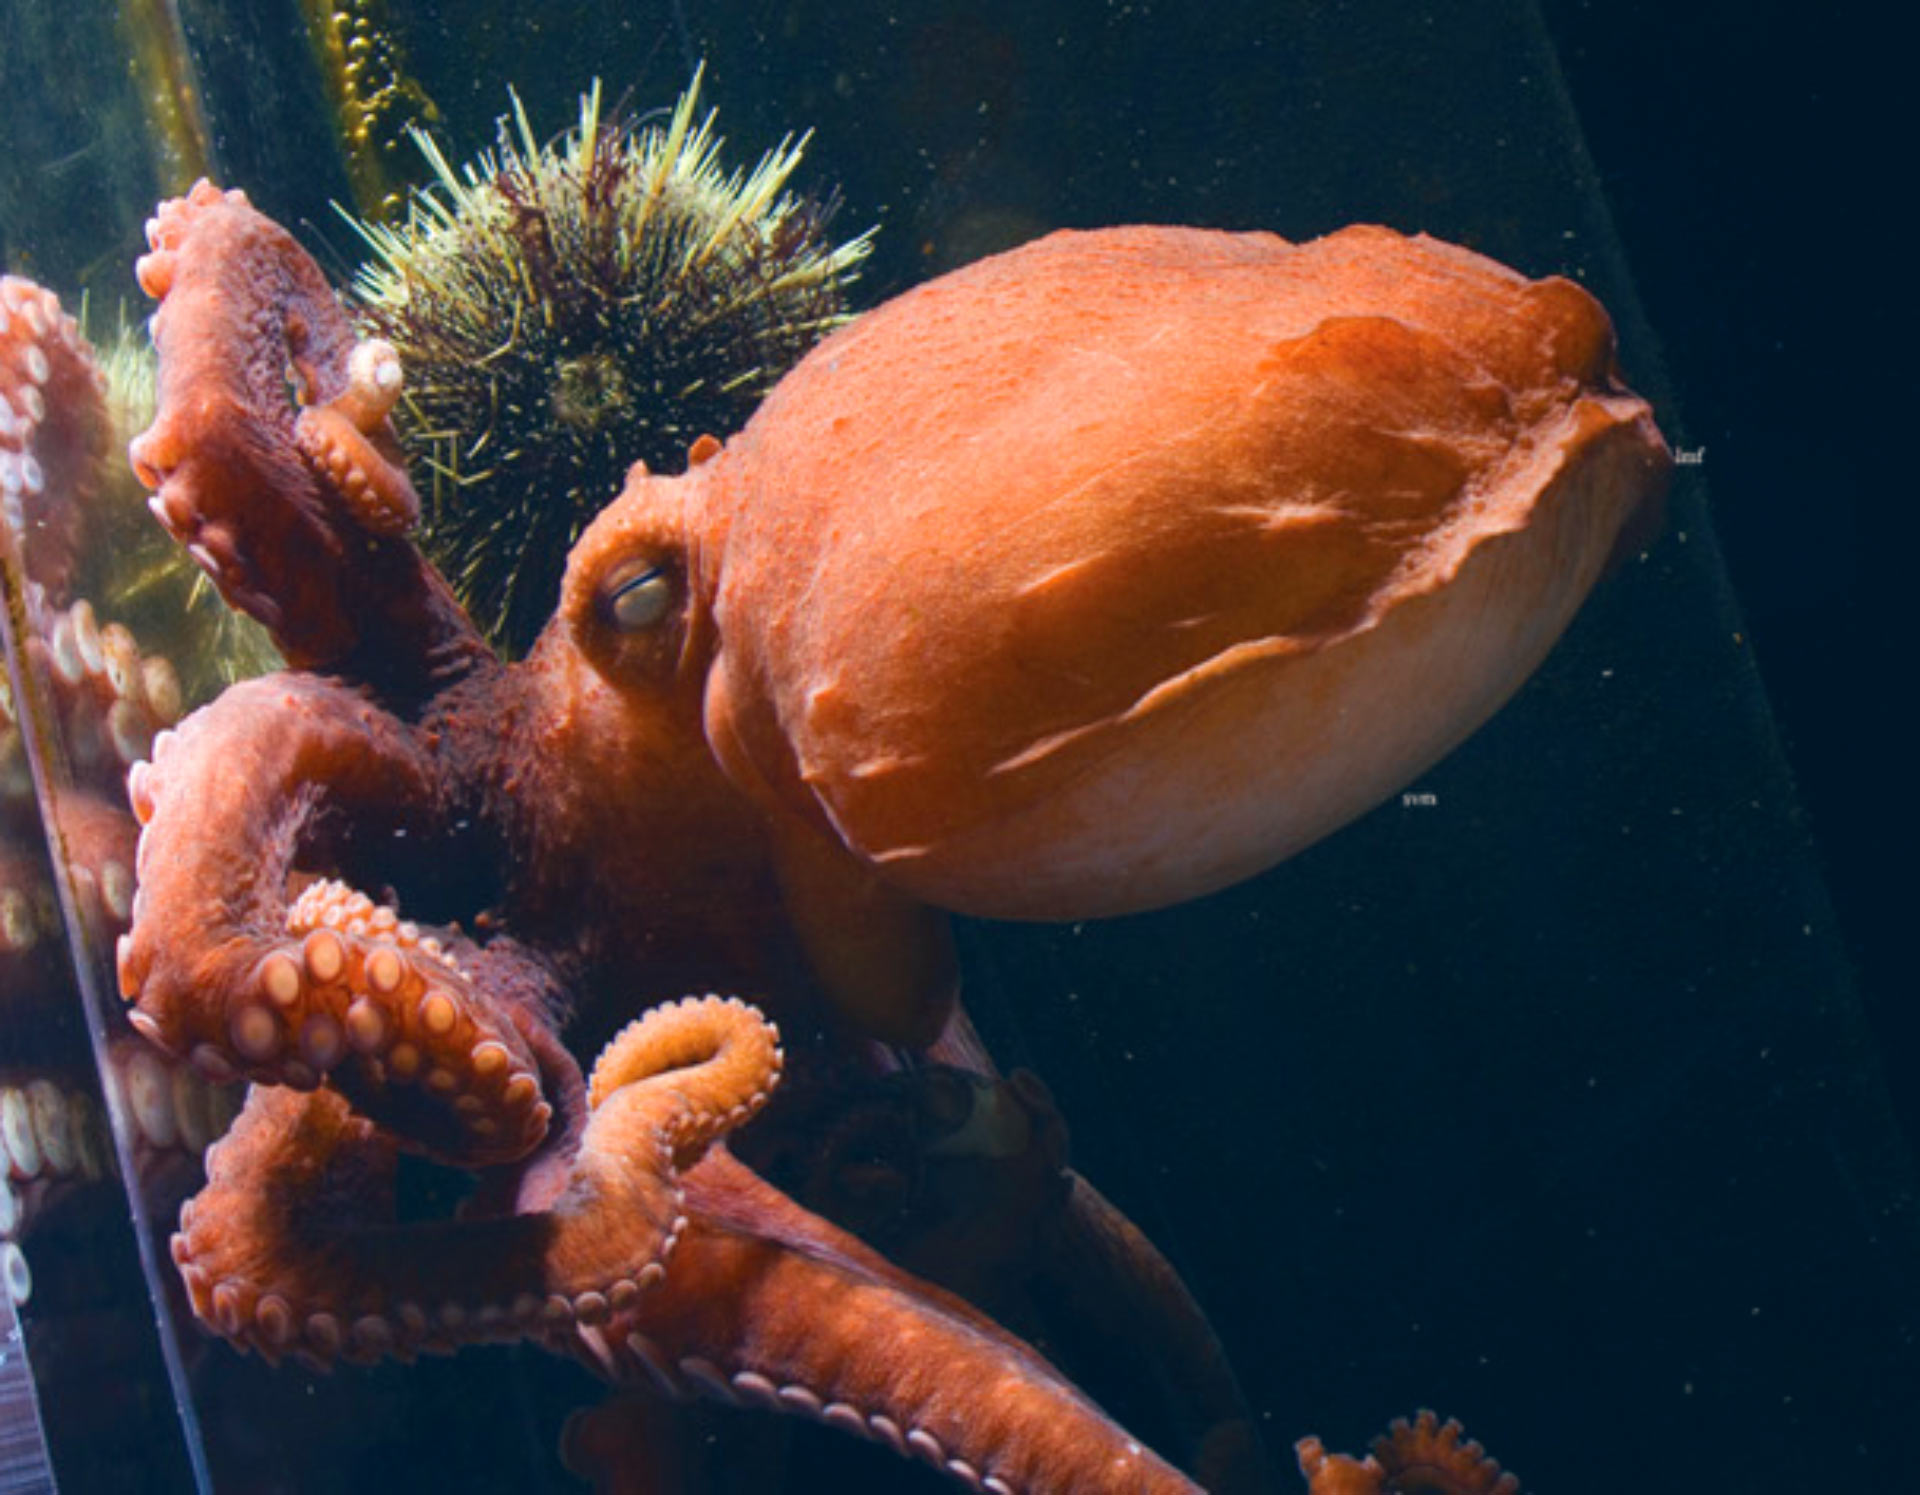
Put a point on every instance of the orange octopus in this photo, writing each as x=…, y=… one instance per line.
x=1089, y=578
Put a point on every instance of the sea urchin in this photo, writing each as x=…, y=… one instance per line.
x=563, y=311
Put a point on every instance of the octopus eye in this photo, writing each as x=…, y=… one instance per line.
x=639, y=598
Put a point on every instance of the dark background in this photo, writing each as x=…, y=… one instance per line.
x=1755, y=159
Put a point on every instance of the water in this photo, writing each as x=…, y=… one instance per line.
x=1540, y=1095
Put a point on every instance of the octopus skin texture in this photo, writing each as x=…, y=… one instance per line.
x=1086, y=579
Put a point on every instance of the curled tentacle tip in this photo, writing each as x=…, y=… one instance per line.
x=374, y=373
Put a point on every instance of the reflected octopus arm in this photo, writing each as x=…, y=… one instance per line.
x=233, y=970
x=53, y=430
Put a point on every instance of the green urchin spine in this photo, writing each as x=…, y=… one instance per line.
x=564, y=311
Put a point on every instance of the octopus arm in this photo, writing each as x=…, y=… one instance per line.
x=293, y=1247
x=295, y=508
x=229, y=965
x=770, y=1306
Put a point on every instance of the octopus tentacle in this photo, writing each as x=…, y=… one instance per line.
x=724, y=1058
x=229, y=969
x=292, y=1248
x=347, y=388
x=706, y=1281
x=338, y=438
x=107, y=698
x=296, y=513
x=97, y=840
x=53, y=429
x=1423, y=1457
x=29, y=918
x=768, y=1306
